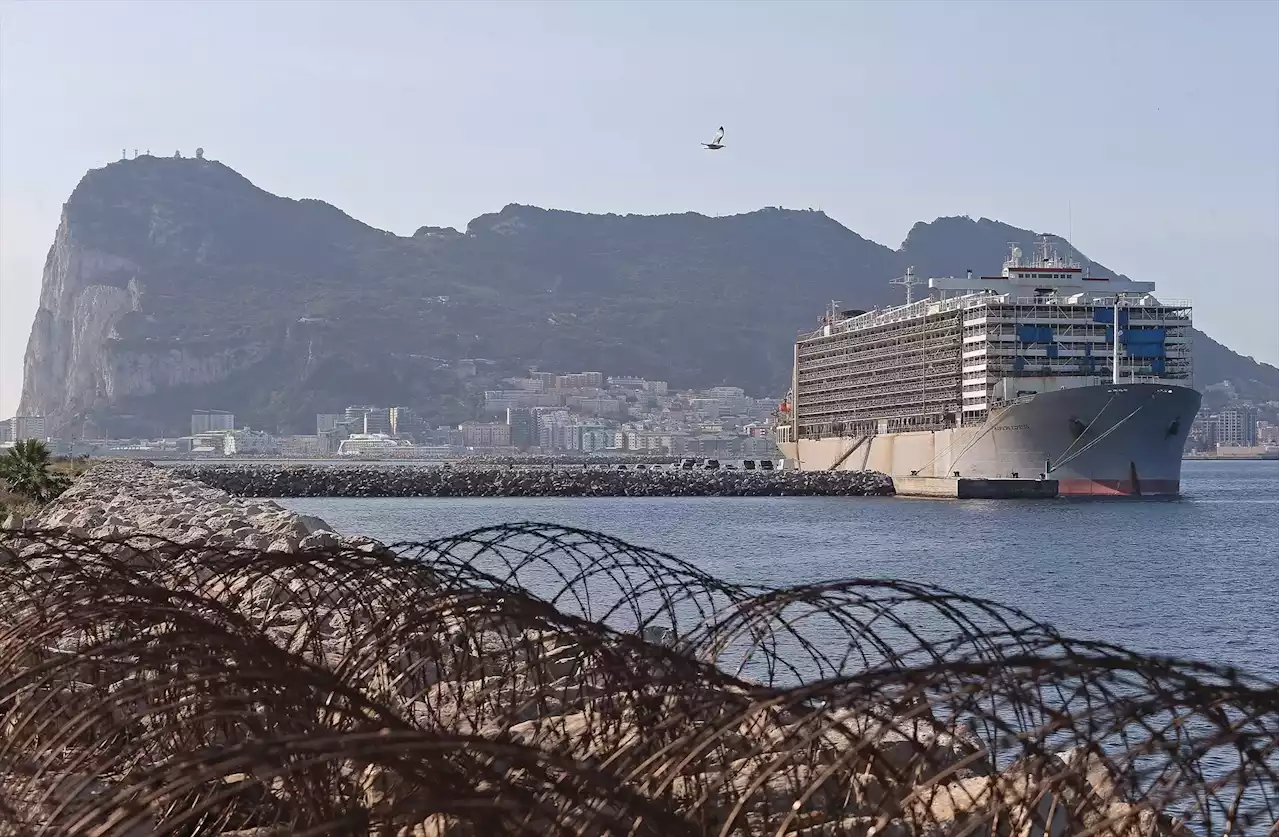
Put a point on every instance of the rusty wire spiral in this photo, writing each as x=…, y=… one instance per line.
x=534, y=679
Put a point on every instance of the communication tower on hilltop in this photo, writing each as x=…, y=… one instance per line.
x=124, y=154
x=909, y=281
x=199, y=153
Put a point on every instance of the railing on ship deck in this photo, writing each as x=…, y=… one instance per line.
x=1179, y=309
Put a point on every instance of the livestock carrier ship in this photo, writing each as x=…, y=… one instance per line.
x=1041, y=372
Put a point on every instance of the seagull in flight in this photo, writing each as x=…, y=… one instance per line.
x=717, y=143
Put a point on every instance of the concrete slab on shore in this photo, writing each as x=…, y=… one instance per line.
x=963, y=488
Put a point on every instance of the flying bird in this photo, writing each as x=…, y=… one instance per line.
x=716, y=144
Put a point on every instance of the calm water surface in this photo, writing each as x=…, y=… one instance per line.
x=1194, y=577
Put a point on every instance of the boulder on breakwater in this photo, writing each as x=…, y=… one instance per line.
x=410, y=481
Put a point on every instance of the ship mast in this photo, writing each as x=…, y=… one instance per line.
x=1115, y=340
x=909, y=281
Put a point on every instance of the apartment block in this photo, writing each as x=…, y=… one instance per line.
x=1238, y=427
x=210, y=421
x=485, y=435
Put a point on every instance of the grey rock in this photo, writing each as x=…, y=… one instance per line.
x=255, y=541
x=13, y=521
x=362, y=543
x=312, y=524
x=320, y=540
x=60, y=517
x=217, y=522
x=283, y=544
x=226, y=537
x=195, y=534
x=87, y=519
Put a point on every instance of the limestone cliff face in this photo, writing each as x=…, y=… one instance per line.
x=144, y=373
x=77, y=359
x=83, y=295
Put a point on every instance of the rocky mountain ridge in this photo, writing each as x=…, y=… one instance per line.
x=176, y=284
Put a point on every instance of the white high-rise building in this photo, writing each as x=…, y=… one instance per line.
x=1238, y=427
x=209, y=421
x=24, y=427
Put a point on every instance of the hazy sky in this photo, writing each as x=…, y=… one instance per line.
x=1155, y=121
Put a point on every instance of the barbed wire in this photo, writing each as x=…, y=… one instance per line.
x=529, y=678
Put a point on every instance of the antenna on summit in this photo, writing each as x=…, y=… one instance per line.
x=908, y=281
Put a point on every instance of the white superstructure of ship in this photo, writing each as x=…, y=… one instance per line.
x=1041, y=370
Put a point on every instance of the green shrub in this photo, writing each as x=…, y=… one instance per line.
x=26, y=471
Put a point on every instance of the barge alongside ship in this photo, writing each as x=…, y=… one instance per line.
x=1041, y=372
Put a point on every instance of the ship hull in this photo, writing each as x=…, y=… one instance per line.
x=1108, y=440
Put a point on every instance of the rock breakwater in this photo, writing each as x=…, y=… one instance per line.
x=121, y=500
x=410, y=481
x=568, y=459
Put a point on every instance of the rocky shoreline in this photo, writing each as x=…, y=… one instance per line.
x=120, y=500
x=411, y=481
